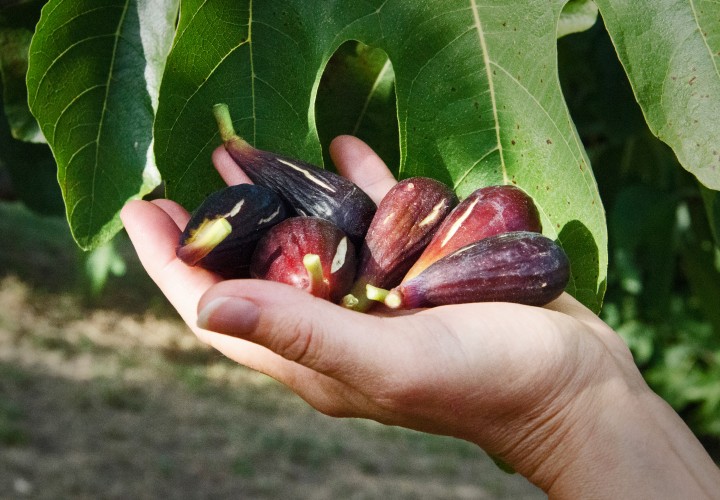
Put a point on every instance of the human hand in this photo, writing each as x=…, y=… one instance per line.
x=537, y=387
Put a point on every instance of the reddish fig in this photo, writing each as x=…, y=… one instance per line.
x=308, y=253
x=404, y=224
x=522, y=267
x=222, y=232
x=310, y=190
x=487, y=211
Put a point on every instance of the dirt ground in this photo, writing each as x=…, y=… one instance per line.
x=112, y=397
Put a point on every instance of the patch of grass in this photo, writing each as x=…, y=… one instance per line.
x=11, y=431
x=194, y=377
x=166, y=465
x=125, y=398
x=300, y=449
x=244, y=467
x=11, y=374
x=67, y=348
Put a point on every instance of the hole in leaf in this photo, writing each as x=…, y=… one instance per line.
x=356, y=96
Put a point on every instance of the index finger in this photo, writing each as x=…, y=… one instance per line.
x=358, y=162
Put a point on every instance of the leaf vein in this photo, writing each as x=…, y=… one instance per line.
x=491, y=85
x=101, y=122
x=704, y=37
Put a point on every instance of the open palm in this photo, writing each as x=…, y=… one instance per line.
x=505, y=376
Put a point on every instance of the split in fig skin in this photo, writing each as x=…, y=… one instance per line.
x=486, y=212
x=403, y=225
x=308, y=253
x=309, y=190
x=222, y=232
x=521, y=267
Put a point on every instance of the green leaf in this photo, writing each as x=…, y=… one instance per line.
x=17, y=22
x=356, y=96
x=671, y=52
x=93, y=79
x=577, y=16
x=478, y=100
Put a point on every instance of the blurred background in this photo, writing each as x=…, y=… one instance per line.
x=105, y=393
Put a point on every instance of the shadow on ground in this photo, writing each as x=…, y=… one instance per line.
x=114, y=398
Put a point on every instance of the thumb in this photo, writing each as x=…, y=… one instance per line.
x=292, y=323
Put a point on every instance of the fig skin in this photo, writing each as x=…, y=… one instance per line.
x=223, y=230
x=309, y=190
x=521, y=267
x=486, y=212
x=405, y=222
x=308, y=253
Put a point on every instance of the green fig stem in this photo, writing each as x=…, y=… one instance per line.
x=318, y=284
x=357, y=299
x=221, y=111
x=375, y=293
x=208, y=236
x=394, y=299
x=350, y=301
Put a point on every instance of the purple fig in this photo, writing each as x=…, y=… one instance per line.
x=522, y=267
x=486, y=212
x=222, y=232
x=308, y=253
x=310, y=190
x=404, y=224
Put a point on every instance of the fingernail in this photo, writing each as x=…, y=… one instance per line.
x=229, y=315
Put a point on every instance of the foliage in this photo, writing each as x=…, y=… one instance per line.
x=664, y=277
x=470, y=93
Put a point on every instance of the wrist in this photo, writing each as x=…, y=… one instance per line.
x=619, y=441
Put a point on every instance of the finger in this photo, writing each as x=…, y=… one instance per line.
x=312, y=332
x=358, y=162
x=227, y=168
x=176, y=212
x=155, y=235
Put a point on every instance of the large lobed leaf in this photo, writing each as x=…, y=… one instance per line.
x=671, y=52
x=478, y=100
x=92, y=81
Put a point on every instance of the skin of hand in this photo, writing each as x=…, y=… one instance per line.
x=552, y=391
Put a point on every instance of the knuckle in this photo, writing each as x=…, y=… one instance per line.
x=300, y=342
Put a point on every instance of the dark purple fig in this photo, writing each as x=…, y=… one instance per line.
x=308, y=253
x=404, y=224
x=486, y=212
x=522, y=267
x=223, y=231
x=310, y=190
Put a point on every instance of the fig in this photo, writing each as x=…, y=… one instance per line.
x=403, y=225
x=310, y=190
x=521, y=266
x=309, y=253
x=487, y=211
x=223, y=231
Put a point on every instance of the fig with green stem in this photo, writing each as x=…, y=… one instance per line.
x=522, y=267
x=308, y=189
x=405, y=221
x=223, y=230
x=308, y=253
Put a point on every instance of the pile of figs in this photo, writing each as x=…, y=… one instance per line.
x=420, y=247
